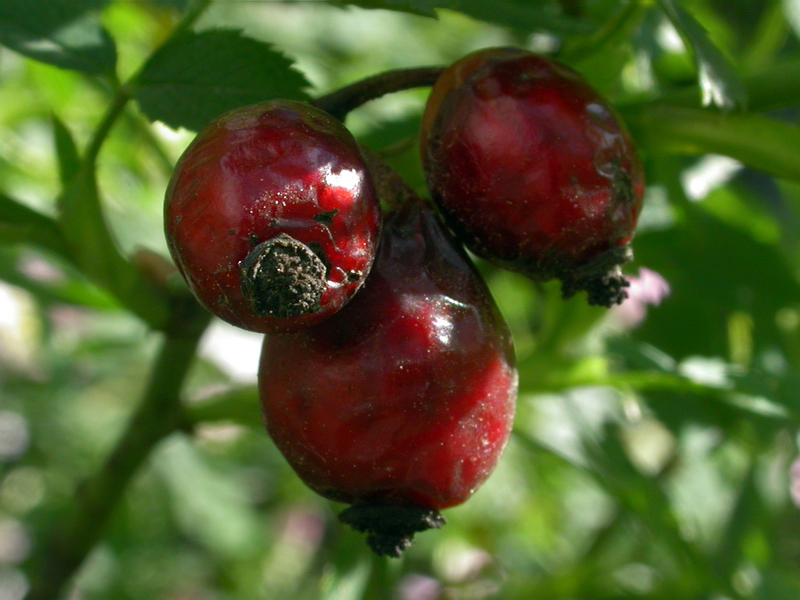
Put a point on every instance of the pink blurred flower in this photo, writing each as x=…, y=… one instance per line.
x=419, y=587
x=648, y=288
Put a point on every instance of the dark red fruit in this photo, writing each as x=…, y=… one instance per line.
x=271, y=216
x=534, y=170
x=402, y=402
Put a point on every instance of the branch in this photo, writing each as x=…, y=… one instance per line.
x=343, y=100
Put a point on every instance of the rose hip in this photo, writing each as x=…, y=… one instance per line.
x=271, y=216
x=402, y=402
x=534, y=170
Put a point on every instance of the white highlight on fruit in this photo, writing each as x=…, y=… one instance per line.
x=348, y=179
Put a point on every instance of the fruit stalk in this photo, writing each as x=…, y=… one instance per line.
x=340, y=102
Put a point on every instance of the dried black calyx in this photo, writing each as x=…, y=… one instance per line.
x=390, y=529
x=282, y=277
x=601, y=278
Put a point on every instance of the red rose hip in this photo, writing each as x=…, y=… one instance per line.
x=271, y=216
x=402, y=402
x=534, y=170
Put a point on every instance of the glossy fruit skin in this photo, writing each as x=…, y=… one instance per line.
x=530, y=166
x=259, y=171
x=406, y=396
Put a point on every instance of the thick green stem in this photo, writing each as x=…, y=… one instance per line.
x=61, y=554
x=342, y=101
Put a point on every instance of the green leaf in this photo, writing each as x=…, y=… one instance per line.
x=772, y=88
x=67, y=152
x=63, y=33
x=209, y=504
x=19, y=223
x=94, y=252
x=177, y=5
x=714, y=270
x=196, y=77
x=499, y=12
x=748, y=511
x=718, y=81
x=237, y=405
x=62, y=287
x=763, y=143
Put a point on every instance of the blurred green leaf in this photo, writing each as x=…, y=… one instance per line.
x=602, y=55
x=208, y=504
x=763, y=143
x=66, y=151
x=63, y=33
x=777, y=584
x=239, y=405
x=642, y=495
x=527, y=16
x=773, y=87
x=196, y=77
x=347, y=584
x=96, y=254
x=747, y=511
x=783, y=389
x=713, y=270
x=61, y=287
x=19, y=223
x=178, y=5
x=719, y=83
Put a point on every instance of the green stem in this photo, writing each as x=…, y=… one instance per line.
x=343, y=100
x=113, y=112
x=64, y=549
x=61, y=554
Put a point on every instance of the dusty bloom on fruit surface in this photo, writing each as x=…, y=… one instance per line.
x=648, y=288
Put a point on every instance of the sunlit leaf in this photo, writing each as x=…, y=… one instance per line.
x=719, y=82
x=198, y=76
x=761, y=142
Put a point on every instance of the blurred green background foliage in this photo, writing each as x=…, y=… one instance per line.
x=653, y=447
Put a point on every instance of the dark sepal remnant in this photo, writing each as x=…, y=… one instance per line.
x=390, y=529
x=283, y=278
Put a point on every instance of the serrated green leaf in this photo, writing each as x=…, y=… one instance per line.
x=198, y=76
x=719, y=83
x=763, y=143
x=66, y=151
x=63, y=33
x=528, y=16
